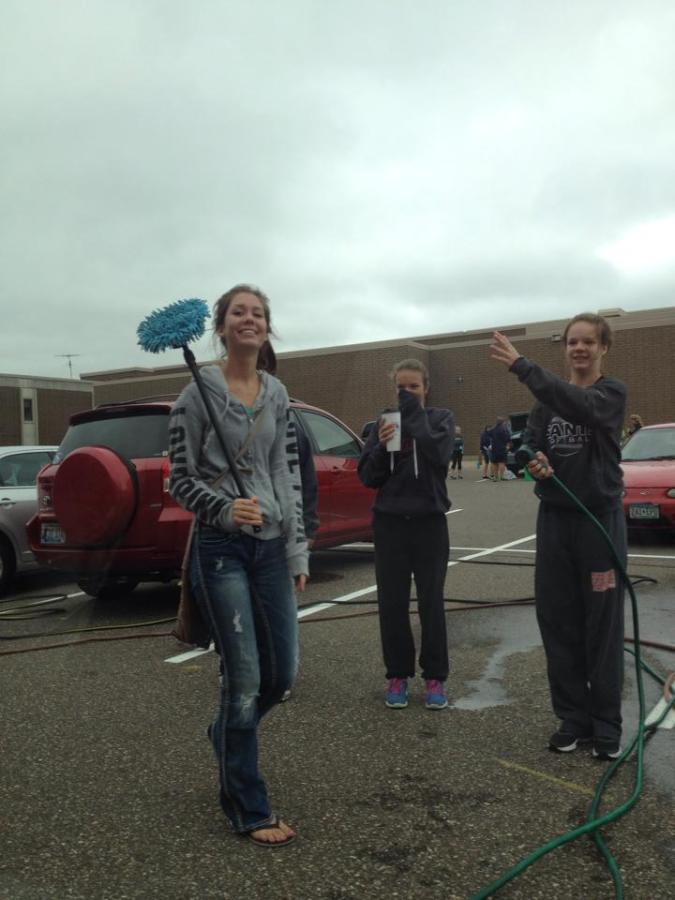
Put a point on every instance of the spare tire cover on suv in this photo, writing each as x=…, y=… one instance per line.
x=95, y=496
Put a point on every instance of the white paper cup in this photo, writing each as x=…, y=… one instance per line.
x=394, y=444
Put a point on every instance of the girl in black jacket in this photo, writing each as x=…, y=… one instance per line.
x=575, y=429
x=411, y=534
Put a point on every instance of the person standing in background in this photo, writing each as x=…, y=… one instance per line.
x=411, y=534
x=499, y=441
x=485, y=449
x=457, y=454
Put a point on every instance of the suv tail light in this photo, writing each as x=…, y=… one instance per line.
x=166, y=471
x=45, y=494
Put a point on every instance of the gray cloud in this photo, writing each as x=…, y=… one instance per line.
x=381, y=169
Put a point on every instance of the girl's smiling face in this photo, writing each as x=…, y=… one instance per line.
x=583, y=349
x=244, y=325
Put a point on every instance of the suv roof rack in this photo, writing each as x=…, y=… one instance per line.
x=154, y=397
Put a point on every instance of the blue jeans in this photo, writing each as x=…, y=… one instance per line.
x=246, y=593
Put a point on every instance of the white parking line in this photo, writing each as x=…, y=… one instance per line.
x=373, y=588
x=311, y=610
x=650, y=556
x=189, y=654
x=472, y=548
x=354, y=545
x=67, y=596
x=327, y=605
x=495, y=551
x=520, y=551
x=477, y=554
x=490, y=550
x=630, y=555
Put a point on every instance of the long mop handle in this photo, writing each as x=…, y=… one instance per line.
x=194, y=368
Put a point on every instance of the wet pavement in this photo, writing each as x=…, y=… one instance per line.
x=108, y=784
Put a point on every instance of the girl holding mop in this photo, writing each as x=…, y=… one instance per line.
x=246, y=552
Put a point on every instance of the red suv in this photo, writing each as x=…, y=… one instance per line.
x=105, y=514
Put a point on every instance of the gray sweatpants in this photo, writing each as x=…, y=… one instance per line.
x=579, y=600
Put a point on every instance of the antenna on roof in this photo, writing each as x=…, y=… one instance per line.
x=69, y=357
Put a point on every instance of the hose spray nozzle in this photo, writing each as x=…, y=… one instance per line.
x=524, y=454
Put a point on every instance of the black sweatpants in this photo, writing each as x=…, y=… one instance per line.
x=457, y=460
x=416, y=546
x=579, y=599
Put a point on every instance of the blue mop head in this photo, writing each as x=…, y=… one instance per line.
x=174, y=326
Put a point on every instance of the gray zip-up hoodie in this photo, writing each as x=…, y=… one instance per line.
x=269, y=466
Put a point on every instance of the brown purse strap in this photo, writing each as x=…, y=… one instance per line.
x=255, y=428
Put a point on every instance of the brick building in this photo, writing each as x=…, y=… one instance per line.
x=352, y=381
x=36, y=410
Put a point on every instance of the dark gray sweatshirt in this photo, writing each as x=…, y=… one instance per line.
x=579, y=430
x=411, y=482
x=269, y=466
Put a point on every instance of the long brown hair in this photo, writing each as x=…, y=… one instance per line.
x=267, y=358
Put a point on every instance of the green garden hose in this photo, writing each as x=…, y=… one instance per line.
x=594, y=821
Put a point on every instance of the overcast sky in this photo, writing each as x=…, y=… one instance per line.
x=380, y=169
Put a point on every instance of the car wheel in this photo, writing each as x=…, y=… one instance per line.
x=7, y=565
x=108, y=588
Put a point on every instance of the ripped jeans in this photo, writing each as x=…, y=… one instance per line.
x=246, y=593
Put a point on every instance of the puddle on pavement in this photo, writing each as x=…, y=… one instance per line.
x=488, y=690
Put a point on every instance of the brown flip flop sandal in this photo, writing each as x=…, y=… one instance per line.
x=275, y=823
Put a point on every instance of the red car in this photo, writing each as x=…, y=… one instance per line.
x=105, y=514
x=648, y=463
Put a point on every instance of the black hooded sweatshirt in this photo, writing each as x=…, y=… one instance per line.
x=579, y=430
x=411, y=482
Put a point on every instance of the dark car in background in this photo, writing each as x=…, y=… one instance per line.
x=105, y=514
x=648, y=463
x=518, y=421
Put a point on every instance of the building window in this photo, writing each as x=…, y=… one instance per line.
x=28, y=410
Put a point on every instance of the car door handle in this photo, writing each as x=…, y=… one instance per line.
x=6, y=503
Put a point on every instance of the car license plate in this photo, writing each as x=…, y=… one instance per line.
x=52, y=534
x=643, y=511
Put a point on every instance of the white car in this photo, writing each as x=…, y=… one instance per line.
x=19, y=467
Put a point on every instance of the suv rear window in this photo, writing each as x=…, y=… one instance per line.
x=132, y=436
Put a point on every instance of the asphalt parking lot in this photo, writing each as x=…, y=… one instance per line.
x=108, y=785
